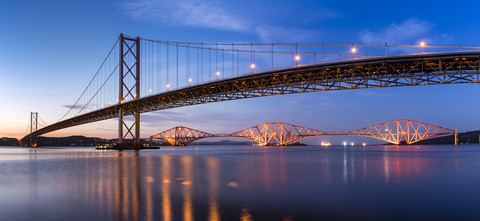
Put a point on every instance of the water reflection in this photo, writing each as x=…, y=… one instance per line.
x=166, y=177
x=213, y=170
x=187, y=187
x=240, y=183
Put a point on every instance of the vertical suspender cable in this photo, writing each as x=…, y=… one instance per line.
x=223, y=63
x=150, y=90
x=296, y=54
x=177, y=65
x=160, y=67
x=197, y=80
x=157, y=74
x=251, y=57
x=272, y=56
x=209, y=66
x=323, y=53
x=168, y=65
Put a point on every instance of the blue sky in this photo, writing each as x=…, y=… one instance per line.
x=51, y=50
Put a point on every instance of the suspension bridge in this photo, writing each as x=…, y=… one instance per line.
x=278, y=133
x=141, y=75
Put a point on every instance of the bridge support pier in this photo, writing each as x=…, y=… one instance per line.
x=129, y=88
x=456, y=138
x=33, y=128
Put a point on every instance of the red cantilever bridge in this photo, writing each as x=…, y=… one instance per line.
x=142, y=75
x=396, y=132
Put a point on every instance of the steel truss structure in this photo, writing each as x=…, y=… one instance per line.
x=33, y=128
x=129, y=71
x=181, y=136
x=270, y=134
x=392, y=71
x=408, y=131
x=280, y=134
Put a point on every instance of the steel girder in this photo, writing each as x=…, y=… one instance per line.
x=396, y=131
x=276, y=133
x=181, y=136
x=129, y=68
x=392, y=71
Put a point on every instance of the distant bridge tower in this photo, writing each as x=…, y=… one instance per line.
x=33, y=128
x=129, y=86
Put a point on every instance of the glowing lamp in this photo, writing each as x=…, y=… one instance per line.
x=252, y=66
x=297, y=58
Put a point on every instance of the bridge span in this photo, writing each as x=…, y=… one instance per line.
x=360, y=72
x=278, y=133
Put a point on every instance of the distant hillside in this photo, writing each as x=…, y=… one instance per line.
x=73, y=141
x=6, y=141
x=76, y=141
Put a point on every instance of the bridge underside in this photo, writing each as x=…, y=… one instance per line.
x=394, y=71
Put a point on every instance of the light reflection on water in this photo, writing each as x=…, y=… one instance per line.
x=241, y=183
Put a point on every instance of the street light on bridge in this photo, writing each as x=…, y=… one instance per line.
x=353, y=52
x=422, y=45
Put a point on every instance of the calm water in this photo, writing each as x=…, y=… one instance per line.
x=242, y=183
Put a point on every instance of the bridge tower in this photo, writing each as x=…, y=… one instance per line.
x=129, y=87
x=33, y=128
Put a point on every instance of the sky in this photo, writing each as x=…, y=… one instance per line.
x=51, y=49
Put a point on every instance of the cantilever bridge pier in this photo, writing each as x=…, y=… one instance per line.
x=142, y=75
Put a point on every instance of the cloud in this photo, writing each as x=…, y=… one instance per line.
x=267, y=21
x=408, y=31
x=70, y=106
x=368, y=93
x=206, y=13
x=107, y=129
x=280, y=34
